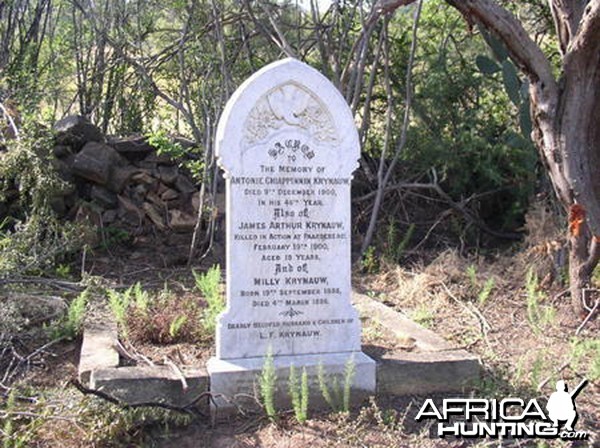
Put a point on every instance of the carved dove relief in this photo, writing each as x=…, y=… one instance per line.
x=289, y=105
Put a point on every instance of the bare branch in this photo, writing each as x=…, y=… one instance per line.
x=383, y=180
x=10, y=120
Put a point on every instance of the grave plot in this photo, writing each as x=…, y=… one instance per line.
x=287, y=144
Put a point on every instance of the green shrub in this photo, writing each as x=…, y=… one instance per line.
x=176, y=326
x=141, y=298
x=338, y=398
x=32, y=238
x=165, y=145
x=349, y=371
x=485, y=292
x=586, y=357
x=299, y=394
x=71, y=326
x=267, y=383
x=538, y=314
x=370, y=263
x=395, y=247
x=119, y=305
x=163, y=318
x=209, y=285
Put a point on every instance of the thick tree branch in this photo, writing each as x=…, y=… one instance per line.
x=566, y=15
x=523, y=50
x=593, y=258
x=588, y=34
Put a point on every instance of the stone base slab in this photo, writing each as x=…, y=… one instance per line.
x=434, y=367
x=98, y=349
x=401, y=373
x=153, y=384
x=234, y=383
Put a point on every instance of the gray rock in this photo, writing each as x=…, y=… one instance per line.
x=104, y=197
x=129, y=212
x=61, y=151
x=133, y=148
x=119, y=176
x=75, y=131
x=168, y=174
x=181, y=222
x=169, y=195
x=109, y=216
x=153, y=213
x=95, y=162
x=183, y=184
x=63, y=167
x=185, y=143
x=160, y=159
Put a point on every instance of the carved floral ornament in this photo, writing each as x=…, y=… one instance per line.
x=289, y=105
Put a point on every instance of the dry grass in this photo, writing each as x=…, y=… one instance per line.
x=522, y=357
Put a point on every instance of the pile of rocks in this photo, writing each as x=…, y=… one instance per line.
x=122, y=182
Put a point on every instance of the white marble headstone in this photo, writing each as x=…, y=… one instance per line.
x=288, y=145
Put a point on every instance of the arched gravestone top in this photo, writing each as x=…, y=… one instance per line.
x=288, y=145
x=287, y=95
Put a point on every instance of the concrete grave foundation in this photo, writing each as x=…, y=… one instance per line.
x=235, y=382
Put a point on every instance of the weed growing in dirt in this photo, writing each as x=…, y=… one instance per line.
x=483, y=293
x=472, y=275
x=164, y=319
x=349, y=371
x=538, y=368
x=422, y=315
x=70, y=327
x=119, y=304
x=538, y=315
x=176, y=326
x=338, y=398
x=586, y=353
x=486, y=291
x=7, y=427
x=141, y=298
x=369, y=261
x=156, y=318
x=63, y=271
x=267, y=383
x=394, y=248
x=299, y=394
x=209, y=285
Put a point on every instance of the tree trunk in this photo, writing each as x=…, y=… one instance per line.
x=566, y=116
x=565, y=113
x=569, y=142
